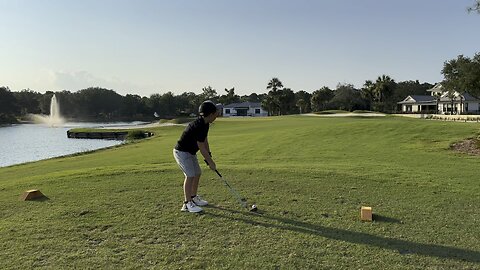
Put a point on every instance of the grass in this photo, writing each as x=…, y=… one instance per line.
x=119, y=208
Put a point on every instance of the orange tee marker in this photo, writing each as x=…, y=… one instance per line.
x=31, y=195
x=366, y=213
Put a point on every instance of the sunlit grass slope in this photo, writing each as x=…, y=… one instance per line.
x=119, y=208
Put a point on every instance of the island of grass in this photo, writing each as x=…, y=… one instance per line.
x=108, y=134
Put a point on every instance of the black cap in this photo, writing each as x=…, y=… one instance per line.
x=207, y=108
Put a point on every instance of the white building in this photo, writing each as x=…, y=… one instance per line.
x=440, y=102
x=244, y=109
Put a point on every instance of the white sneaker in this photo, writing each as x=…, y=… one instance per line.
x=191, y=207
x=199, y=201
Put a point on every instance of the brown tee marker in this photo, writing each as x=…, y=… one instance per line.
x=32, y=194
x=366, y=213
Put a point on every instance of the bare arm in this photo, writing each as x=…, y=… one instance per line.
x=208, y=145
x=203, y=146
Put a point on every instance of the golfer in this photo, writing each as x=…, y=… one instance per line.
x=194, y=138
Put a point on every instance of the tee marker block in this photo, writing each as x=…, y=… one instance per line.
x=366, y=213
x=31, y=195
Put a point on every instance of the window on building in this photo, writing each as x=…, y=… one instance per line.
x=257, y=111
x=227, y=111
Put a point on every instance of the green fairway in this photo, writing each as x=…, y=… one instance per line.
x=309, y=176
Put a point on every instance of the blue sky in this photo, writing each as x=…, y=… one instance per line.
x=145, y=47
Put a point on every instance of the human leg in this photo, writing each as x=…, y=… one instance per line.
x=194, y=195
x=194, y=188
x=187, y=163
x=188, y=187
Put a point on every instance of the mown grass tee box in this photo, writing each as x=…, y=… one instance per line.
x=120, y=207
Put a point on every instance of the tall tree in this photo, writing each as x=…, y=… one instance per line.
x=188, y=103
x=368, y=93
x=253, y=97
x=463, y=75
x=67, y=102
x=208, y=93
x=305, y=106
x=320, y=98
x=286, y=100
x=167, y=102
x=475, y=7
x=275, y=85
x=8, y=102
x=230, y=97
x=28, y=101
x=131, y=105
x=347, y=98
x=383, y=93
x=383, y=89
x=100, y=102
x=269, y=105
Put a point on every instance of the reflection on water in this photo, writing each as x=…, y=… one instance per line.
x=29, y=142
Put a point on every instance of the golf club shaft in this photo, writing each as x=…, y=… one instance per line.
x=231, y=189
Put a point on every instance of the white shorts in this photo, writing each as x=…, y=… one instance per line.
x=188, y=163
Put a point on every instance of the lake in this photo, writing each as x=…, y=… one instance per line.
x=32, y=142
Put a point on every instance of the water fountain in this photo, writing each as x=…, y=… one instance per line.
x=52, y=120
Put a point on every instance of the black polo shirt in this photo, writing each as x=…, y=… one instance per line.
x=196, y=131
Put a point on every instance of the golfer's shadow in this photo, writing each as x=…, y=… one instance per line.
x=402, y=246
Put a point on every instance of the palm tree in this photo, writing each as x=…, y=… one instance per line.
x=268, y=104
x=383, y=89
x=368, y=92
x=275, y=84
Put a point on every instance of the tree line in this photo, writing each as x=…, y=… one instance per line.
x=102, y=104
x=99, y=104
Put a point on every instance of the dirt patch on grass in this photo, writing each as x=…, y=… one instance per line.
x=469, y=146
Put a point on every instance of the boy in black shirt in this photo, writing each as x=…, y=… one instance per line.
x=194, y=138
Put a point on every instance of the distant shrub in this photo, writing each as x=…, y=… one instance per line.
x=136, y=135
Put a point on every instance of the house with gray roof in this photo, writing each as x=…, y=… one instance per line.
x=440, y=102
x=244, y=109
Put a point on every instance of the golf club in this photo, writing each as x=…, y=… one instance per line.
x=240, y=199
x=235, y=193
